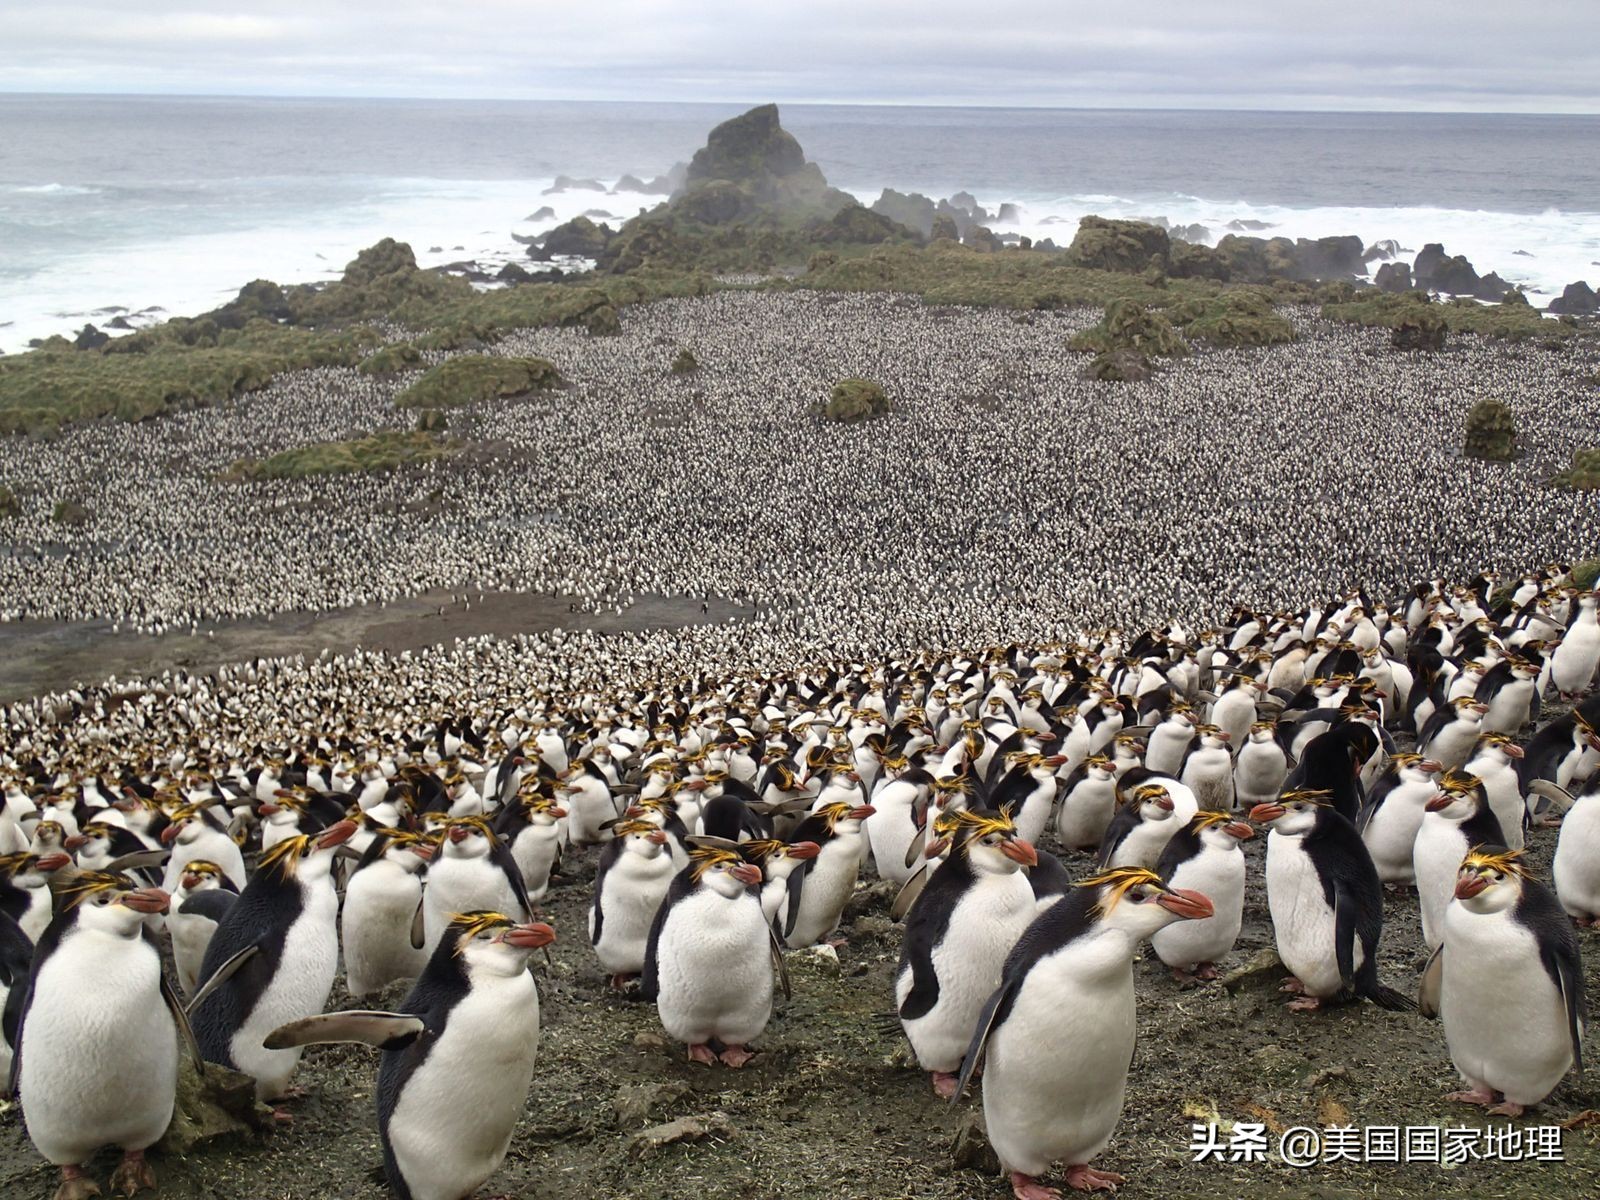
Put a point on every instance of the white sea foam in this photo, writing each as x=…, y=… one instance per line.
x=51, y=189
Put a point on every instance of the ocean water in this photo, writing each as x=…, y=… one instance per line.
x=154, y=206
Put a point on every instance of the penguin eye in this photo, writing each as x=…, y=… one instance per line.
x=992, y=839
x=103, y=899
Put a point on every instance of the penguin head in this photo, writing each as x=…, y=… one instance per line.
x=1100, y=767
x=411, y=852
x=1263, y=732
x=491, y=943
x=1500, y=746
x=779, y=860
x=723, y=871
x=844, y=817
x=200, y=875
x=1154, y=801
x=1459, y=796
x=90, y=845
x=1295, y=813
x=306, y=857
x=1490, y=879
x=1135, y=902
x=468, y=837
x=986, y=838
x=1219, y=830
x=1416, y=768
x=644, y=838
x=111, y=904
x=31, y=870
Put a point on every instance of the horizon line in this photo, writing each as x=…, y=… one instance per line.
x=884, y=103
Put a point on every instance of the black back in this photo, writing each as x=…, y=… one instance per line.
x=260, y=917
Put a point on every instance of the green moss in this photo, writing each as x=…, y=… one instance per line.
x=380, y=452
x=1120, y=366
x=854, y=400
x=10, y=506
x=392, y=359
x=685, y=363
x=473, y=377
x=1491, y=432
x=1129, y=325
x=1584, y=473
x=1127, y=246
x=69, y=512
x=1238, y=317
x=1586, y=575
x=1511, y=321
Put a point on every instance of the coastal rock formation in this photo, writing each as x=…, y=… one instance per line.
x=1578, y=299
x=854, y=400
x=913, y=210
x=1008, y=214
x=90, y=338
x=386, y=257
x=1382, y=251
x=1192, y=261
x=543, y=213
x=659, y=186
x=1393, y=277
x=579, y=237
x=981, y=237
x=1129, y=246
x=565, y=183
x=1421, y=329
x=944, y=226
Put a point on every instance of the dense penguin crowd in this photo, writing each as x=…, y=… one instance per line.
x=1049, y=658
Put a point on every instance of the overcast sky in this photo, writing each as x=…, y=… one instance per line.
x=1490, y=55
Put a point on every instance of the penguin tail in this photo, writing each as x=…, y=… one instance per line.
x=1388, y=998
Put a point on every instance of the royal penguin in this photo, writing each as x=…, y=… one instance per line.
x=1575, y=660
x=586, y=796
x=1169, y=741
x=1393, y=812
x=202, y=900
x=195, y=832
x=472, y=872
x=1088, y=800
x=1056, y=1038
x=630, y=882
x=25, y=889
x=958, y=932
x=1494, y=765
x=532, y=827
x=709, y=961
x=1205, y=856
x=381, y=902
x=1576, y=868
x=1028, y=793
x=1457, y=818
x=1208, y=770
x=1452, y=733
x=1139, y=832
x=901, y=804
x=99, y=1034
x=458, y=1057
x=830, y=877
x=783, y=875
x=1507, y=983
x=271, y=960
x=1326, y=903
x=1260, y=767
x=16, y=957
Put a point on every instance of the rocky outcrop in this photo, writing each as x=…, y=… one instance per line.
x=1009, y=214
x=1491, y=432
x=860, y=226
x=659, y=186
x=1491, y=288
x=90, y=338
x=1440, y=272
x=566, y=183
x=387, y=257
x=944, y=226
x=913, y=210
x=1393, y=277
x=544, y=213
x=981, y=237
x=1191, y=261
x=1127, y=246
x=1329, y=258
x=1246, y=226
x=578, y=238
x=1382, y=251
x=1194, y=233
x=1578, y=299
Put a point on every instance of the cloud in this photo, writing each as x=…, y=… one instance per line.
x=1245, y=53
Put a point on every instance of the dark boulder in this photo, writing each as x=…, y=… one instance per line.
x=968, y=203
x=1381, y=251
x=1247, y=226
x=659, y=186
x=1491, y=432
x=1193, y=233
x=1119, y=366
x=1420, y=329
x=748, y=148
x=387, y=257
x=565, y=183
x=913, y=210
x=1454, y=275
x=544, y=213
x=860, y=226
x=963, y=219
x=980, y=237
x=514, y=273
x=1009, y=214
x=1191, y=261
x=1328, y=258
x=944, y=226
x=90, y=338
x=1046, y=244
x=263, y=300
x=1427, y=261
x=579, y=237
x=1128, y=246
x=1578, y=300
x=1491, y=288
x=1393, y=277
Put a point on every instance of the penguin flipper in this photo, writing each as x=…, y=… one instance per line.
x=136, y=861
x=908, y=893
x=221, y=976
x=385, y=1030
x=214, y=904
x=1562, y=962
x=181, y=1019
x=793, y=887
x=1344, y=936
x=1553, y=792
x=917, y=844
x=987, y=1020
x=1432, y=984
x=419, y=929
x=779, y=964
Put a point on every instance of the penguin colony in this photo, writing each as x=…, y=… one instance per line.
x=1411, y=743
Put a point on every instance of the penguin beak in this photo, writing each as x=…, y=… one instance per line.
x=533, y=936
x=1441, y=800
x=1266, y=814
x=76, y=842
x=170, y=833
x=1191, y=905
x=558, y=812
x=1164, y=803
x=803, y=850
x=336, y=834
x=190, y=882
x=861, y=812
x=52, y=862
x=1513, y=751
x=659, y=837
x=936, y=847
x=1469, y=886
x=146, y=900
x=1239, y=830
x=1056, y=760
x=458, y=835
x=266, y=810
x=423, y=850
x=746, y=873
x=1020, y=850
x=1430, y=767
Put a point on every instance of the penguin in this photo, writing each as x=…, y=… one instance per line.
x=1573, y=665
x=458, y=1057
x=1456, y=819
x=901, y=804
x=1169, y=741
x=959, y=931
x=589, y=804
x=1205, y=856
x=1326, y=904
x=1393, y=812
x=16, y=958
x=473, y=872
x=25, y=889
x=1494, y=765
x=381, y=901
x=1208, y=769
x=1576, y=868
x=782, y=875
x=1510, y=690
x=1507, y=982
x=1088, y=799
x=194, y=832
x=1450, y=735
x=533, y=828
x=1139, y=832
x=709, y=961
x=1028, y=792
x=1260, y=767
x=630, y=882
x=271, y=960
x=99, y=1034
x=203, y=898
x=1056, y=1038
x=830, y=877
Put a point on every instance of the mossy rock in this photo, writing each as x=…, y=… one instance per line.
x=459, y=335
x=387, y=257
x=10, y=505
x=1120, y=366
x=392, y=359
x=1129, y=325
x=473, y=377
x=1586, y=575
x=432, y=420
x=945, y=227
x=1584, y=473
x=1420, y=329
x=579, y=237
x=1243, y=317
x=602, y=321
x=69, y=512
x=1127, y=246
x=854, y=400
x=382, y=451
x=685, y=363
x=1491, y=432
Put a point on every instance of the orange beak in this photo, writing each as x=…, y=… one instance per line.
x=76, y=842
x=170, y=832
x=803, y=850
x=1267, y=813
x=746, y=873
x=1514, y=751
x=1441, y=800
x=861, y=812
x=1191, y=905
x=1020, y=850
x=1469, y=886
x=1239, y=830
x=423, y=850
x=532, y=936
x=659, y=837
x=336, y=834
x=146, y=900
x=52, y=862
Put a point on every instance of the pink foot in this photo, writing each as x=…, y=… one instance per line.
x=736, y=1056
x=619, y=981
x=1304, y=1004
x=1083, y=1178
x=1292, y=984
x=944, y=1084
x=75, y=1185
x=1206, y=971
x=837, y=942
x=1479, y=1095
x=1026, y=1187
x=702, y=1053
x=282, y=1116
x=1508, y=1108
x=133, y=1175
x=1184, y=979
